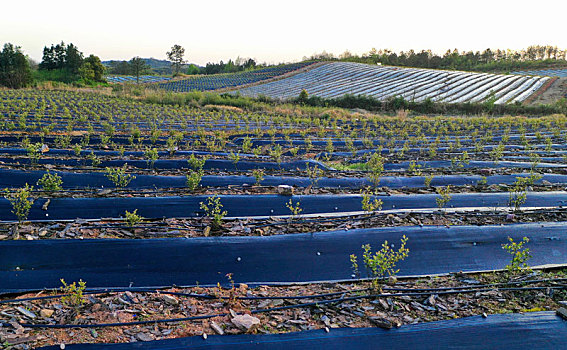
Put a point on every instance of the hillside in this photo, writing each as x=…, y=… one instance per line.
x=335, y=79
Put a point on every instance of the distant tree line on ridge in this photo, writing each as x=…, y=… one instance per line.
x=534, y=57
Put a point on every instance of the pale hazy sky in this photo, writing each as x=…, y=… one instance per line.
x=278, y=31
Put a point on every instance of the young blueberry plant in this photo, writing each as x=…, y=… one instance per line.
x=119, y=177
x=428, y=179
x=518, y=193
x=375, y=167
x=196, y=163
x=34, y=152
x=213, y=210
x=258, y=175
x=151, y=155
x=382, y=263
x=21, y=201
x=133, y=219
x=370, y=205
x=444, y=196
x=50, y=182
x=74, y=294
x=194, y=179
x=295, y=209
x=314, y=174
x=520, y=255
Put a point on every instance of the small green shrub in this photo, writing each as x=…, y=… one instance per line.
x=520, y=255
x=369, y=205
x=151, y=155
x=50, y=182
x=119, y=177
x=133, y=218
x=294, y=209
x=213, y=210
x=196, y=163
x=258, y=175
x=375, y=166
x=194, y=179
x=428, y=179
x=382, y=263
x=314, y=174
x=21, y=201
x=74, y=295
x=444, y=196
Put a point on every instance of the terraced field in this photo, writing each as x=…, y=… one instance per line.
x=230, y=80
x=120, y=79
x=186, y=222
x=544, y=72
x=339, y=78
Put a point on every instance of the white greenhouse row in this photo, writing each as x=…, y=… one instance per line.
x=335, y=79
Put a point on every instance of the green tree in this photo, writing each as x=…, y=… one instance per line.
x=176, y=58
x=15, y=69
x=73, y=59
x=138, y=66
x=95, y=65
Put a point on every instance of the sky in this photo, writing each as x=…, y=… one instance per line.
x=282, y=31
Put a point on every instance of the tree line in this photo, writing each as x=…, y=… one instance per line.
x=535, y=56
x=66, y=63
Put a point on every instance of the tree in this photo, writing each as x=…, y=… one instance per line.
x=15, y=69
x=137, y=67
x=73, y=59
x=176, y=57
x=97, y=66
x=92, y=69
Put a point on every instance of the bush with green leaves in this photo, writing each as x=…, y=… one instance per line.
x=428, y=179
x=314, y=173
x=234, y=157
x=21, y=201
x=194, y=179
x=258, y=175
x=50, y=182
x=444, y=196
x=375, y=167
x=196, y=163
x=34, y=152
x=132, y=219
x=119, y=177
x=74, y=295
x=213, y=210
x=276, y=153
x=95, y=161
x=520, y=255
x=370, y=205
x=518, y=193
x=382, y=263
x=151, y=155
x=295, y=209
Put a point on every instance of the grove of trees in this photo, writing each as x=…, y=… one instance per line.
x=536, y=56
x=15, y=71
x=66, y=63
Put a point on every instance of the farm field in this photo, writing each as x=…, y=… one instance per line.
x=231, y=80
x=201, y=225
x=335, y=79
x=120, y=79
x=544, y=72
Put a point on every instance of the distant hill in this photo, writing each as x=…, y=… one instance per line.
x=161, y=67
